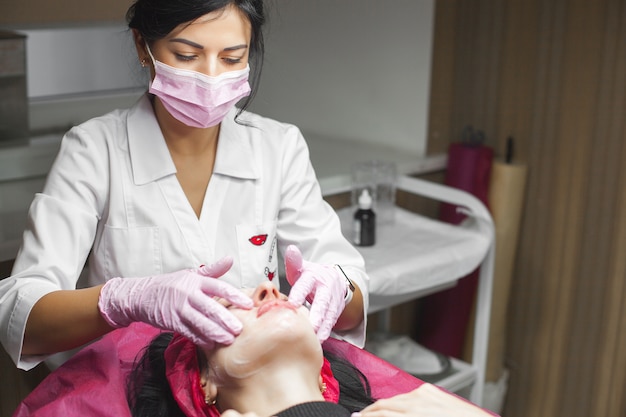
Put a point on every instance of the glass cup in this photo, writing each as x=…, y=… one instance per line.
x=379, y=177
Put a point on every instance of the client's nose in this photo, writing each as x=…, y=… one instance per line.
x=264, y=292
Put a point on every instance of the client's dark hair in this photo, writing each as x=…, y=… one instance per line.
x=354, y=388
x=149, y=393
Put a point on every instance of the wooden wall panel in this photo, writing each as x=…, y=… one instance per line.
x=442, y=80
x=552, y=75
x=611, y=362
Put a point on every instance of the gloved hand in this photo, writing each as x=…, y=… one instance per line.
x=180, y=301
x=322, y=285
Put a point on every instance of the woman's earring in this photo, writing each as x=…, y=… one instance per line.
x=208, y=401
x=143, y=62
x=324, y=387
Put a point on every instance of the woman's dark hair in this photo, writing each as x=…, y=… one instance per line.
x=155, y=19
x=354, y=388
x=149, y=393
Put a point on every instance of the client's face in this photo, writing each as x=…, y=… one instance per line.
x=274, y=332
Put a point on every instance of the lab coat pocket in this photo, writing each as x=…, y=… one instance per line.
x=257, y=253
x=132, y=252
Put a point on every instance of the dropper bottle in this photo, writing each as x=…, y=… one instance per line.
x=364, y=221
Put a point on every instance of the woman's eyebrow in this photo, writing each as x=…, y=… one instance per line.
x=236, y=47
x=187, y=42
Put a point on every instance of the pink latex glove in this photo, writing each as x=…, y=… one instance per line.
x=181, y=301
x=322, y=285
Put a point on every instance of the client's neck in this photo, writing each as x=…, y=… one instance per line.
x=271, y=390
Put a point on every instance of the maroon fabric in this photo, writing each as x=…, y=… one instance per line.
x=444, y=316
x=93, y=382
x=469, y=169
x=386, y=380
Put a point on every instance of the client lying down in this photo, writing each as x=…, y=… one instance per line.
x=275, y=367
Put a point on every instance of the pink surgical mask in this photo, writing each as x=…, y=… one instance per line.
x=196, y=99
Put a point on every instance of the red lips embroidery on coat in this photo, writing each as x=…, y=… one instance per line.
x=258, y=240
x=269, y=274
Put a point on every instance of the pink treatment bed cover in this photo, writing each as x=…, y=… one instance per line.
x=93, y=382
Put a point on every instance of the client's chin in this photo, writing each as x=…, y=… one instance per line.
x=278, y=335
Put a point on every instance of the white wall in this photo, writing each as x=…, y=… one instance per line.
x=350, y=69
x=78, y=60
x=339, y=69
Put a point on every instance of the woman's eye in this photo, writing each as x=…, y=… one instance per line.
x=233, y=61
x=185, y=58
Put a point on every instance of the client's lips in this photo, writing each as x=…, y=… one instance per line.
x=269, y=305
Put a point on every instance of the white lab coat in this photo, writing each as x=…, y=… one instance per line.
x=112, y=198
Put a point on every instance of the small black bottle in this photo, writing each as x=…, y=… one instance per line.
x=364, y=221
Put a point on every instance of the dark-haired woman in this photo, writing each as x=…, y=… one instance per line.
x=181, y=179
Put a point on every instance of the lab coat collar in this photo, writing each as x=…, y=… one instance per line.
x=151, y=160
x=149, y=156
x=235, y=156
